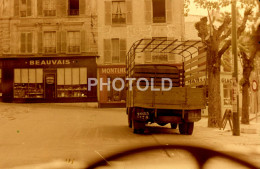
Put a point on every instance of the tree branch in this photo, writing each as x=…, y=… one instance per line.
x=226, y=35
x=240, y=30
x=224, y=25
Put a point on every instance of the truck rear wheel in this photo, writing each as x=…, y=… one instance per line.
x=186, y=128
x=174, y=125
x=162, y=124
x=129, y=113
x=138, y=127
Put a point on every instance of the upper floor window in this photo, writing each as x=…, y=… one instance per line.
x=118, y=12
x=25, y=8
x=115, y=50
x=73, y=7
x=74, y=41
x=49, y=42
x=49, y=8
x=159, y=14
x=26, y=42
x=158, y=11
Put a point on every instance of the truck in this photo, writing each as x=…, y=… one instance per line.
x=162, y=91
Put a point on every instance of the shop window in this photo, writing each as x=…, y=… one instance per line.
x=118, y=12
x=73, y=7
x=159, y=11
x=50, y=42
x=115, y=50
x=49, y=8
x=114, y=95
x=227, y=90
x=28, y=83
x=74, y=42
x=25, y=8
x=72, y=82
x=26, y=42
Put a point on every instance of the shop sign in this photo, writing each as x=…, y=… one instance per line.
x=113, y=70
x=197, y=80
x=49, y=62
x=226, y=80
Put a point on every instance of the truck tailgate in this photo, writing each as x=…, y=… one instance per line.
x=176, y=98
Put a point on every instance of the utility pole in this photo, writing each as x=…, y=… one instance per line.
x=235, y=96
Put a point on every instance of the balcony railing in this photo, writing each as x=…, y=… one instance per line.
x=74, y=49
x=50, y=49
x=118, y=18
x=73, y=12
x=49, y=12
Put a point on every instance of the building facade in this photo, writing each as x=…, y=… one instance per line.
x=123, y=22
x=48, y=50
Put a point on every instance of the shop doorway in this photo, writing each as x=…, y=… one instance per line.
x=50, y=86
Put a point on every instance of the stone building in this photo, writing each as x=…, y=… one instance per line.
x=123, y=22
x=48, y=50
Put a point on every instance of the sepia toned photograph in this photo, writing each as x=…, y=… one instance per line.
x=129, y=84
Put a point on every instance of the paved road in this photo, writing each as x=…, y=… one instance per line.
x=45, y=133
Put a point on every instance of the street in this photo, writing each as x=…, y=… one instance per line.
x=74, y=134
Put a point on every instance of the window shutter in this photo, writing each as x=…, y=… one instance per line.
x=39, y=7
x=129, y=9
x=16, y=8
x=58, y=42
x=29, y=8
x=108, y=9
x=82, y=7
x=62, y=7
x=29, y=42
x=122, y=50
x=148, y=11
x=40, y=42
x=83, y=41
x=23, y=43
x=169, y=11
x=107, y=51
x=63, y=42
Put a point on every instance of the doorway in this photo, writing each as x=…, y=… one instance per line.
x=50, y=86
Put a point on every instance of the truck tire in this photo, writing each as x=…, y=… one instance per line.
x=174, y=125
x=129, y=113
x=162, y=124
x=186, y=128
x=138, y=127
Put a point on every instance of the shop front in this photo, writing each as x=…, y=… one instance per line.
x=48, y=79
x=110, y=96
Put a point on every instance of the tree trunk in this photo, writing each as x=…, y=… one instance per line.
x=214, y=99
x=245, y=96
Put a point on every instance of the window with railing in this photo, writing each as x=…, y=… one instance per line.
x=25, y=8
x=49, y=8
x=118, y=12
x=74, y=41
x=73, y=7
x=159, y=11
x=50, y=42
